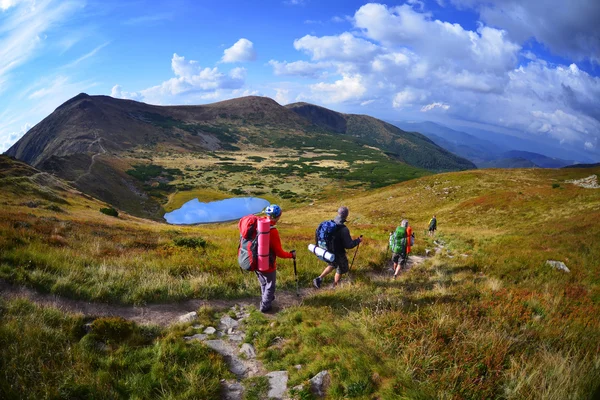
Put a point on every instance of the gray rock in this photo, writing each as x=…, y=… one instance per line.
x=319, y=383
x=235, y=364
x=232, y=390
x=198, y=336
x=591, y=182
x=230, y=331
x=278, y=382
x=238, y=337
x=210, y=330
x=227, y=322
x=189, y=317
x=198, y=326
x=558, y=265
x=248, y=350
x=427, y=252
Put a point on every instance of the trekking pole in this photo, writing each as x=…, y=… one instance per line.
x=296, y=275
x=352, y=263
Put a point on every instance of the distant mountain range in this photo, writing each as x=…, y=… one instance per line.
x=490, y=150
x=94, y=141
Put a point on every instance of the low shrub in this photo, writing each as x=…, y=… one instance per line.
x=110, y=211
x=190, y=242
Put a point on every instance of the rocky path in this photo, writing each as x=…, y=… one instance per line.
x=227, y=338
x=151, y=314
x=166, y=314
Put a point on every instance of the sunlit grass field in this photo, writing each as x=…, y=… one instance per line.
x=484, y=318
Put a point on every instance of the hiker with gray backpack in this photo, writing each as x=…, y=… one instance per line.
x=334, y=237
x=401, y=241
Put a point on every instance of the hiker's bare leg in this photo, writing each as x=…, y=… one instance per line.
x=326, y=271
x=336, y=279
x=397, y=268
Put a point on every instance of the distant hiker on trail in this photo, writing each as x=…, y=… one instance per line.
x=400, y=243
x=341, y=241
x=432, y=226
x=267, y=279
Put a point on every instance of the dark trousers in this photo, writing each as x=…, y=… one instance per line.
x=267, y=282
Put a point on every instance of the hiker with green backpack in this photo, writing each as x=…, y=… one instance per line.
x=401, y=241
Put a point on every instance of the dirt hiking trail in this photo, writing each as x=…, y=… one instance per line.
x=168, y=313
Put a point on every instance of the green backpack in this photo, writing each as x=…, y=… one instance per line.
x=398, y=240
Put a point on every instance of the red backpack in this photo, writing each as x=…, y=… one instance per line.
x=248, y=248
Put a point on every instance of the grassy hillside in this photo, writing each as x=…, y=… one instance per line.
x=137, y=156
x=484, y=318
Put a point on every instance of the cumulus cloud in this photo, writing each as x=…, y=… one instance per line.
x=192, y=84
x=299, y=68
x=405, y=59
x=432, y=106
x=6, y=141
x=347, y=88
x=345, y=47
x=242, y=50
x=567, y=29
x=282, y=96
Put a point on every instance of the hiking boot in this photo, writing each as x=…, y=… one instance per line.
x=317, y=282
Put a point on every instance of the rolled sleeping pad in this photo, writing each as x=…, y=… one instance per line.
x=264, y=232
x=321, y=253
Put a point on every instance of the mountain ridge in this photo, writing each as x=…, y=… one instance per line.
x=98, y=143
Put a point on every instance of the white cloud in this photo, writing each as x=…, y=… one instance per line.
x=442, y=43
x=87, y=55
x=431, y=106
x=589, y=146
x=345, y=47
x=282, y=96
x=242, y=50
x=22, y=30
x=299, y=68
x=6, y=4
x=192, y=84
x=118, y=93
x=295, y=2
x=7, y=140
x=408, y=97
x=347, y=88
x=567, y=29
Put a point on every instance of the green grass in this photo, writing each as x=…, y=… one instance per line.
x=45, y=353
x=486, y=318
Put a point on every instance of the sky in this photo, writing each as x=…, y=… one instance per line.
x=530, y=68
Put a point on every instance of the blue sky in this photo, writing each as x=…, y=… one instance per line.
x=530, y=68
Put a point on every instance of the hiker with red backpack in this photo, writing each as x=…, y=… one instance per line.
x=401, y=241
x=252, y=254
x=340, y=241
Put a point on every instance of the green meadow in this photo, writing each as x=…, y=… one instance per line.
x=485, y=317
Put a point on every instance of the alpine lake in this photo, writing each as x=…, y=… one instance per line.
x=195, y=212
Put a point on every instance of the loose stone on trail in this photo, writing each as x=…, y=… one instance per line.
x=189, y=317
x=278, y=382
x=558, y=265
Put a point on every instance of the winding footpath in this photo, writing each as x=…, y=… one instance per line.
x=227, y=338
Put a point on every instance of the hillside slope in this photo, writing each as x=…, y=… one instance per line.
x=410, y=147
x=136, y=156
x=486, y=317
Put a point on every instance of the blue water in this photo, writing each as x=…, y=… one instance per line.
x=195, y=212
